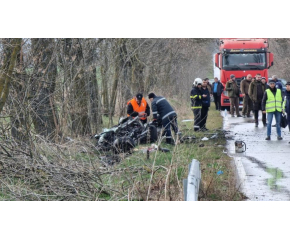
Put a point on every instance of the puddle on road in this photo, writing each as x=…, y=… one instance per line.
x=275, y=172
x=256, y=185
x=272, y=182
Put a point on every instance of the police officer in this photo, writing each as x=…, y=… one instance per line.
x=138, y=107
x=286, y=104
x=160, y=106
x=277, y=83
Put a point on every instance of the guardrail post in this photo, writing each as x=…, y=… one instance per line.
x=191, y=184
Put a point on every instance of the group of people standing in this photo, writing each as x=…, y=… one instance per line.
x=257, y=96
x=252, y=90
x=260, y=96
x=200, y=96
x=200, y=102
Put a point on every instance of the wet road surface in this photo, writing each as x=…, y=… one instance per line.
x=264, y=169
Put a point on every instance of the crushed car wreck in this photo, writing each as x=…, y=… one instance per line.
x=126, y=135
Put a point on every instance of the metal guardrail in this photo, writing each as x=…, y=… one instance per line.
x=191, y=184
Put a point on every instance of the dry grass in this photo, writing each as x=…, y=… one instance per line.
x=76, y=171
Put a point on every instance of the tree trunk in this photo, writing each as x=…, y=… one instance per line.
x=11, y=49
x=79, y=103
x=43, y=86
x=18, y=104
x=94, y=106
x=104, y=74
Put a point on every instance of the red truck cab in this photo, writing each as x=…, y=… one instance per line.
x=242, y=56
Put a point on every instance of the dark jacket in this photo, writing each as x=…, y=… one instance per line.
x=209, y=87
x=278, y=85
x=205, y=100
x=267, y=86
x=233, y=89
x=245, y=86
x=220, y=88
x=160, y=106
x=195, y=97
x=287, y=103
x=253, y=90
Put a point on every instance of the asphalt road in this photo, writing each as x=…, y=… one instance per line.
x=264, y=169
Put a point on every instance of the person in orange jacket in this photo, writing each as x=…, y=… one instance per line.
x=138, y=107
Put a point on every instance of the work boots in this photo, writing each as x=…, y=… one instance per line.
x=196, y=129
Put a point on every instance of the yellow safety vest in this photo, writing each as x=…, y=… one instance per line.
x=274, y=103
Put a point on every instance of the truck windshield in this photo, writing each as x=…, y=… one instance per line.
x=244, y=61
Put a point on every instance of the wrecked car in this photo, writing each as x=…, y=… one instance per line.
x=126, y=135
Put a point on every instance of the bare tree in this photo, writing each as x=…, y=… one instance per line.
x=43, y=83
x=11, y=47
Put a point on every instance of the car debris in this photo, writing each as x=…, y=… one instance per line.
x=125, y=136
x=154, y=148
x=110, y=160
x=220, y=172
x=188, y=120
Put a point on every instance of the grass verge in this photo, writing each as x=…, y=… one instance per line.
x=160, y=176
x=76, y=171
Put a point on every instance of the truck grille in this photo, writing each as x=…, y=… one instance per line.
x=238, y=80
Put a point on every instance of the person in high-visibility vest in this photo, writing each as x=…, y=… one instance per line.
x=272, y=105
x=138, y=107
